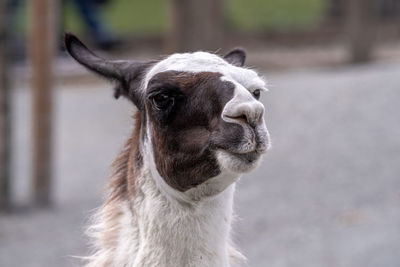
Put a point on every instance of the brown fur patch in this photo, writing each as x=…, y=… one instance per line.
x=126, y=166
x=183, y=153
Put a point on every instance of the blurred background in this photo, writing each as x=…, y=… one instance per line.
x=328, y=192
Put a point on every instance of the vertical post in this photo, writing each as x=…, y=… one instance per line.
x=196, y=25
x=41, y=48
x=5, y=121
x=361, y=23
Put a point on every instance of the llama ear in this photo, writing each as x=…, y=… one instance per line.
x=106, y=68
x=127, y=73
x=236, y=57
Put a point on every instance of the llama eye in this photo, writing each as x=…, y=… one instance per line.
x=256, y=94
x=162, y=101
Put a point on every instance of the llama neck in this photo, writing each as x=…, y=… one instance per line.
x=161, y=231
x=142, y=224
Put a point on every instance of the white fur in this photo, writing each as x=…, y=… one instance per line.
x=165, y=227
x=203, y=61
x=242, y=103
x=162, y=230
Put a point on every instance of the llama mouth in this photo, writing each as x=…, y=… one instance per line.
x=246, y=154
x=238, y=162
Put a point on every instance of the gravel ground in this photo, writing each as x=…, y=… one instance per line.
x=327, y=194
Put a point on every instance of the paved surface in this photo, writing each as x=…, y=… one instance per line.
x=327, y=194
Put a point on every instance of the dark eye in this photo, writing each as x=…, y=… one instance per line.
x=256, y=94
x=162, y=101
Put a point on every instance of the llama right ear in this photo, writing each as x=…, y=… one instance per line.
x=126, y=73
x=236, y=57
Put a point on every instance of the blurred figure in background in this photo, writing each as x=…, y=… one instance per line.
x=98, y=29
x=88, y=10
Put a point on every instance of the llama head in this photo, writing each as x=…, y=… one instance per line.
x=200, y=114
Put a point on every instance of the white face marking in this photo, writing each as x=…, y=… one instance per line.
x=207, y=62
x=242, y=103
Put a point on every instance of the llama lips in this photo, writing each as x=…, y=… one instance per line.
x=258, y=141
x=257, y=145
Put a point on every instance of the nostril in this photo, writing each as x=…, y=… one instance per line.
x=241, y=118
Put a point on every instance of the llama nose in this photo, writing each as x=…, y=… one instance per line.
x=250, y=112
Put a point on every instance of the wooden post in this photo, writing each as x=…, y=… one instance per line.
x=5, y=121
x=196, y=25
x=361, y=23
x=41, y=48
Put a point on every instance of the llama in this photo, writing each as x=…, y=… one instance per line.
x=198, y=127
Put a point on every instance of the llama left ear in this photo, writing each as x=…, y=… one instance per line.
x=236, y=57
x=128, y=74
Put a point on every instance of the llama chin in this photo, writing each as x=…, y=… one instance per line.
x=198, y=127
x=239, y=163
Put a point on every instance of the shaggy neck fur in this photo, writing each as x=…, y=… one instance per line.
x=143, y=225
